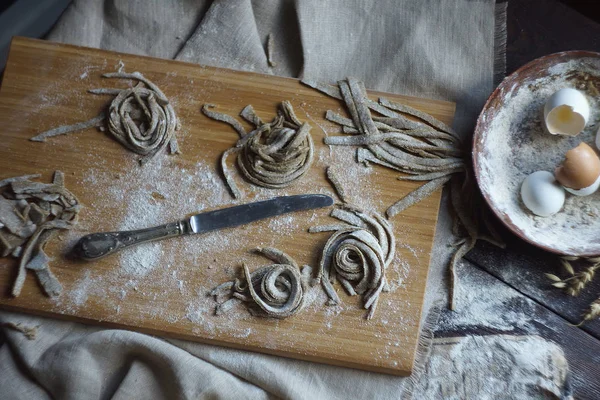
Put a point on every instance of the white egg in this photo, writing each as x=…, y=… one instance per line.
x=542, y=194
x=566, y=112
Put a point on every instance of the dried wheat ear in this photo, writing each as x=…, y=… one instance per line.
x=139, y=117
x=30, y=214
x=575, y=282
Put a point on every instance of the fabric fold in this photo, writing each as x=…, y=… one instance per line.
x=427, y=48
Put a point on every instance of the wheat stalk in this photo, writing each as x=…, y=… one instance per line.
x=592, y=312
x=575, y=282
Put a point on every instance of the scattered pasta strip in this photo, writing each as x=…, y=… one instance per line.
x=228, y=119
x=416, y=196
x=30, y=213
x=462, y=250
x=329, y=90
x=403, y=108
x=404, y=139
x=271, y=50
x=357, y=254
x=66, y=129
x=29, y=332
x=39, y=263
x=430, y=176
x=273, y=155
x=140, y=118
x=28, y=256
x=249, y=115
x=8, y=181
x=235, y=192
x=275, y=290
x=337, y=186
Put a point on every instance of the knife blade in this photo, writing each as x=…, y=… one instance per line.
x=98, y=245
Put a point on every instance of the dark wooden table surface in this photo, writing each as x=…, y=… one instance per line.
x=529, y=304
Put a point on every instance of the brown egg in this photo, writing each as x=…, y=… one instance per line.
x=580, y=168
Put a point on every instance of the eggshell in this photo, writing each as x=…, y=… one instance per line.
x=566, y=112
x=586, y=191
x=542, y=194
x=580, y=168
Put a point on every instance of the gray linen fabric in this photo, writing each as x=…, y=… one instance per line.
x=430, y=48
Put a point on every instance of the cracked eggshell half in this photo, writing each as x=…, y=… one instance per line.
x=541, y=194
x=566, y=112
x=579, y=172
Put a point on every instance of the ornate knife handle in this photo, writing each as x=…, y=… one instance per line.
x=98, y=245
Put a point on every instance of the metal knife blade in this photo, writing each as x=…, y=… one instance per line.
x=246, y=213
x=98, y=245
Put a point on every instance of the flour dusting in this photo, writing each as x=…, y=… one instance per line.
x=485, y=302
x=494, y=367
x=162, y=283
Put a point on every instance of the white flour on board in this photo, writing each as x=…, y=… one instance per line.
x=517, y=146
x=149, y=199
x=168, y=189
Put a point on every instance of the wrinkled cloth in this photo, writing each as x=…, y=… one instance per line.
x=428, y=48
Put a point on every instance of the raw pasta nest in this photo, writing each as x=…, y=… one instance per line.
x=275, y=290
x=357, y=254
x=273, y=155
x=141, y=117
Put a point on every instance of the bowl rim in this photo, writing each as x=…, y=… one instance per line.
x=479, y=130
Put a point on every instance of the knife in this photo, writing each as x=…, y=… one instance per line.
x=98, y=245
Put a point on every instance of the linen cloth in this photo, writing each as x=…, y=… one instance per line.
x=428, y=48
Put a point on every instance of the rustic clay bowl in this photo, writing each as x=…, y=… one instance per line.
x=509, y=144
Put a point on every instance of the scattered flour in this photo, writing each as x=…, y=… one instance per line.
x=494, y=367
x=167, y=282
x=515, y=146
x=482, y=301
x=80, y=294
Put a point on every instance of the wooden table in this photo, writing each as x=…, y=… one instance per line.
x=536, y=28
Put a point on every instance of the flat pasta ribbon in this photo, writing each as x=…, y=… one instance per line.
x=357, y=254
x=140, y=118
x=30, y=214
x=274, y=155
x=274, y=290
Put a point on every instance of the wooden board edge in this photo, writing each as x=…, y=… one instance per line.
x=211, y=342
x=422, y=317
x=30, y=42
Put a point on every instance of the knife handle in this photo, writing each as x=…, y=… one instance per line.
x=98, y=245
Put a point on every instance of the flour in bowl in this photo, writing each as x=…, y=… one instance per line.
x=515, y=145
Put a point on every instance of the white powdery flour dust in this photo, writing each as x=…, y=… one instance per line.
x=168, y=281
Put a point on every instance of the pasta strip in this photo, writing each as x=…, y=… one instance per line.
x=274, y=290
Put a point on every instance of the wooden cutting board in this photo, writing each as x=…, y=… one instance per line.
x=161, y=288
